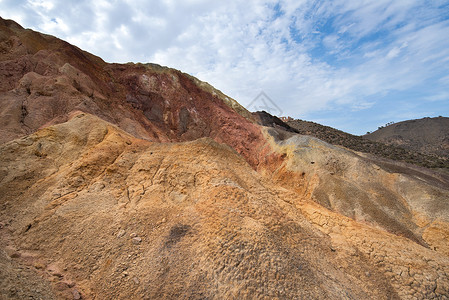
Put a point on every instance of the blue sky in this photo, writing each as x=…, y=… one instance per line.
x=350, y=64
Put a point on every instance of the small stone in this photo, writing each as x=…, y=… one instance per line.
x=11, y=252
x=39, y=266
x=61, y=286
x=133, y=235
x=161, y=221
x=76, y=294
x=121, y=233
x=136, y=280
x=137, y=240
x=15, y=255
x=97, y=187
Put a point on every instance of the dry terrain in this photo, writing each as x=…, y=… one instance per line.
x=427, y=135
x=399, y=151
x=132, y=181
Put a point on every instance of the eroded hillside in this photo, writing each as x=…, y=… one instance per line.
x=141, y=182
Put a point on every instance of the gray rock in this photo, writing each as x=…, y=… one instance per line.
x=136, y=240
x=76, y=294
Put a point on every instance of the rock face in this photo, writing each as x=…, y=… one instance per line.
x=44, y=79
x=427, y=135
x=141, y=182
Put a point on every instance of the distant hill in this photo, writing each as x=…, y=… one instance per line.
x=360, y=143
x=428, y=135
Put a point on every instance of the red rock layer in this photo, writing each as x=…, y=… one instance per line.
x=44, y=79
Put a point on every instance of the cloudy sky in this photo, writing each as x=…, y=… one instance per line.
x=350, y=64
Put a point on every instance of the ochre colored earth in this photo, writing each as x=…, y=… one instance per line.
x=140, y=182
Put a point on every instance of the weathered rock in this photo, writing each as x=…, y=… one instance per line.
x=76, y=294
x=136, y=240
x=233, y=225
x=225, y=210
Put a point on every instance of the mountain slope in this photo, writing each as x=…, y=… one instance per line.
x=427, y=135
x=204, y=229
x=131, y=181
x=378, y=147
x=43, y=79
x=129, y=217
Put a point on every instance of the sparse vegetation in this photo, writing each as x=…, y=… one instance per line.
x=386, y=125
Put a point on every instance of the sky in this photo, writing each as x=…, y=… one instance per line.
x=351, y=64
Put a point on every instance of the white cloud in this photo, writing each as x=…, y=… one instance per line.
x=393, y=52
x=41, y=4
x=438, y=97
x=306, y=55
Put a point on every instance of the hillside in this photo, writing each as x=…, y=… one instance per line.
x=380, y=147
x=427, y=135
x=136, y=181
